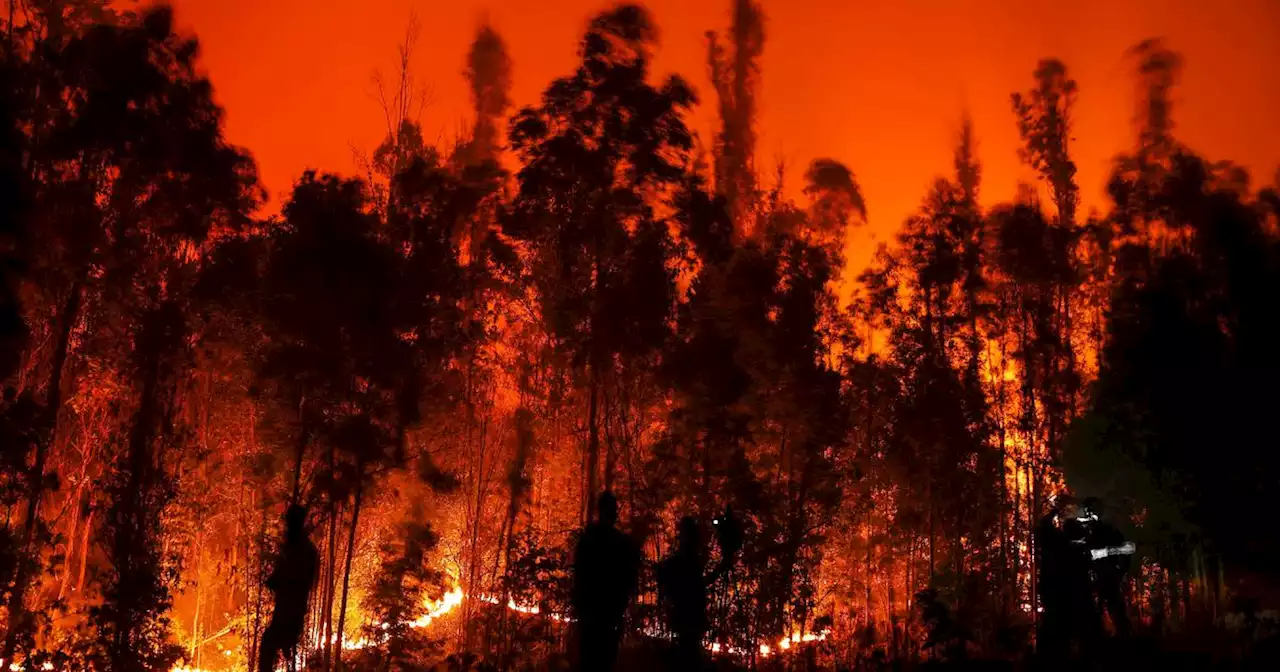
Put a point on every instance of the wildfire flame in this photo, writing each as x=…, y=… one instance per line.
x=435, y=609
x=14, y=667
x=786, y=643
x=438, y=608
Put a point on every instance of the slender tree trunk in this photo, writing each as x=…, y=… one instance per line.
x=469, y=395
x=255, y=637
x=610, y=457
x=134, y=509
x=517, y=482
x=933, y=527
x=71, y=543
x=346, y=572
x=867, y=442
x=473, y=570
x=331, y=554
x=593, y=439
x=1003, y=506
x=84, y=551
x=301, y=451
x=866, y=571
x=35, y=477
x=332, y=557
x=195, y=620
x=889, y=613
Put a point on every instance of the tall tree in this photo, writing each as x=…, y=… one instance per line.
x=1139, y=174
x=600, y=154
x=735, y=73
x=488, y=72
x=179, y=188
x=1044, y=122
x=148, y=180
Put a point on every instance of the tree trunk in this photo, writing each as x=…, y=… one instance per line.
x=302, y=451
x=867, y=572
x=473, y=569
x=258, y=585
x=469, y=395
x=593, y=439
x=889, y=613
x=327, y=594
x=195, y=620
x=84, y=551
x=35, y=477
x=610, y=456
x=71, y=543
x=136, y=524
x=1008, y=578
x=346, y=573
x=933, y=528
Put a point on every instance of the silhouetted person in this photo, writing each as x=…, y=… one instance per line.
x=605, y=567
x=1111, y=557
x=1053, y=623
x=684, y=586
x=1082, y=612
x=290, y=582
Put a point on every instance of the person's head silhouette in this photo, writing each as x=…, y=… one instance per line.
x=690, y=535
x=295, y=522
x=1091, y=509
x=607, y=509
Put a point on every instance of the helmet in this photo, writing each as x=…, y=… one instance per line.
x=1090, y=509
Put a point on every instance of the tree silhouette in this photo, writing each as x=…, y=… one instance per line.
x=13, y=235
x=1182, y=371
x=445, y=362
x=488, y=72
x=175, y=183
x=405, y=580
x=598, y=151
x=141, y=133
x=1044, y=122
x=735, y=73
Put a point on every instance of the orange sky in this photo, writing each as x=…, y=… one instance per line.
x=877, y=84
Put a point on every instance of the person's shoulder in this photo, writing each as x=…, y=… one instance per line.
x=590, y=537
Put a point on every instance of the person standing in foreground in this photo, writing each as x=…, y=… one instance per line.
x=605, y=568
x=684, y=586
x=291, y=583
x=1053, y=622
x=1085, y=626
x=1112, y=556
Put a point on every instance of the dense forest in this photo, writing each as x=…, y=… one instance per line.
x=448, y=356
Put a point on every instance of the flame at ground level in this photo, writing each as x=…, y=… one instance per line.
x=438, y=608
x=435, y=609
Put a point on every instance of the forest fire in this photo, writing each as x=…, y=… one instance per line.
x=436, y=609
x=587, y=383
